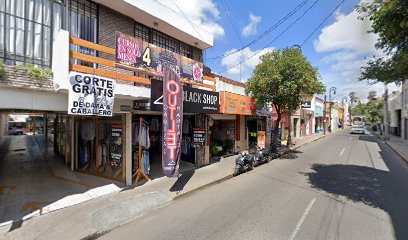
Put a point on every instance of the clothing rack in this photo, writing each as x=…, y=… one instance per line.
x=140, y=173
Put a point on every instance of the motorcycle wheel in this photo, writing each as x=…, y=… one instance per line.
x=237, y=171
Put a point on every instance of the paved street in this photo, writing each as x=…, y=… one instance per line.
x=341, y=187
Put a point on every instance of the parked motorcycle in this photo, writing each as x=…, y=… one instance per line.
x=262, y=155
x=243, y=163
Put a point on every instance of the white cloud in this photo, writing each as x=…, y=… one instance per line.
x=347, y=45
x=347, y=32
x=246, y=67
x=202, y=13
x=251, y=28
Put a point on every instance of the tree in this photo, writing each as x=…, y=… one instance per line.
x=281, y=79
x=372, y=109
x=372, y=95
x=390, y=21
x=353, y=97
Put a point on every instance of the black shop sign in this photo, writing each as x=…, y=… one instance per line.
x=194, y=100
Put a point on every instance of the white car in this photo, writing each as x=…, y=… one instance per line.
x=357, y=128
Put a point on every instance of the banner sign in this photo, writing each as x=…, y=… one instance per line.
x=137, y=55
x=198, y=137
x=90, y=95
x=306, y=104
x=116, y=146
x=172, y=121
x=261, y=139
x=232, y=103
x=194, y=100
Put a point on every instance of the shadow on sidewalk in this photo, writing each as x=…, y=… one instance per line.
x=376, y=188
x=182, y=181
x=291, y=154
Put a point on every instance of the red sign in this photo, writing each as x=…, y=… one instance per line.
x=172, y=121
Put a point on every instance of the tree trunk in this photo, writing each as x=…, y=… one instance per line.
x=289, y=143
x=275, y=135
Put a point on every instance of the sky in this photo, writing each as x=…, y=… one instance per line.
x=338, y=48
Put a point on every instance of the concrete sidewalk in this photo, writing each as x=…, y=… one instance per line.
x=107, y=212
x=399, y=145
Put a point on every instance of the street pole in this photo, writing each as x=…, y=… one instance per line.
x=332, y=89
x=386, y=130
x=324, y=115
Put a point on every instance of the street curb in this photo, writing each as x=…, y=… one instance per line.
x=191, y=191
x=396, y=151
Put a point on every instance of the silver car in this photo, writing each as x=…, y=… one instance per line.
x=357, y=128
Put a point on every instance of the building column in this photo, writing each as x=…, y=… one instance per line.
x=72, y=145
x=202, y=154
x=128, y=147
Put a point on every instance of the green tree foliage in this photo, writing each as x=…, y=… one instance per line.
x=281, y=79
x=390, y=22
x=373, y=109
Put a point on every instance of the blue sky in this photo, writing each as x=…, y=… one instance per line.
x=338, y=48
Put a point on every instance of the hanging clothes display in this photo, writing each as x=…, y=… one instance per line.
x=146, y=161
x=141, y=135
x=87, y=135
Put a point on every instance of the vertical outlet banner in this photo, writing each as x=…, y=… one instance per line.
x=172, y=120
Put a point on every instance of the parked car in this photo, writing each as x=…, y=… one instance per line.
x=16, y=131
x=358, y=128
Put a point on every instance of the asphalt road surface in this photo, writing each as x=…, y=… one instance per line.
x=343, y=186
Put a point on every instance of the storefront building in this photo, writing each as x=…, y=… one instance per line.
x=394, y=107
x=318, y=115
x=88, y=102
x=404, y=111
x=307, y=123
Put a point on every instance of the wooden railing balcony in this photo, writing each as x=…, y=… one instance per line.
x=124, y=76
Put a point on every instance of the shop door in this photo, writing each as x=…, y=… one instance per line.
x=252, y=133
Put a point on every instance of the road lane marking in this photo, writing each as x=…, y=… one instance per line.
x=342, y=152
x=297, y=228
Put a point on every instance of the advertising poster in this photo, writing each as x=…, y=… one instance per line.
x=172, y=121
x=232, y=103
x=116, y=146
x=137, y=55
x=198, y=137
x=90, y=95
x=261, y=139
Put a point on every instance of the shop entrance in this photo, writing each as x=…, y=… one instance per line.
x=99, y=146
x=147, y=138
x=222, y=138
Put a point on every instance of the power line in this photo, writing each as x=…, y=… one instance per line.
x=321, y=23
x=187, y=19
x=227, y=12
x=269, y=30
x=280, y=34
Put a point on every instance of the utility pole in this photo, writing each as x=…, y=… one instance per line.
x=324, y=115
x=386, y=130
x=332, y=89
